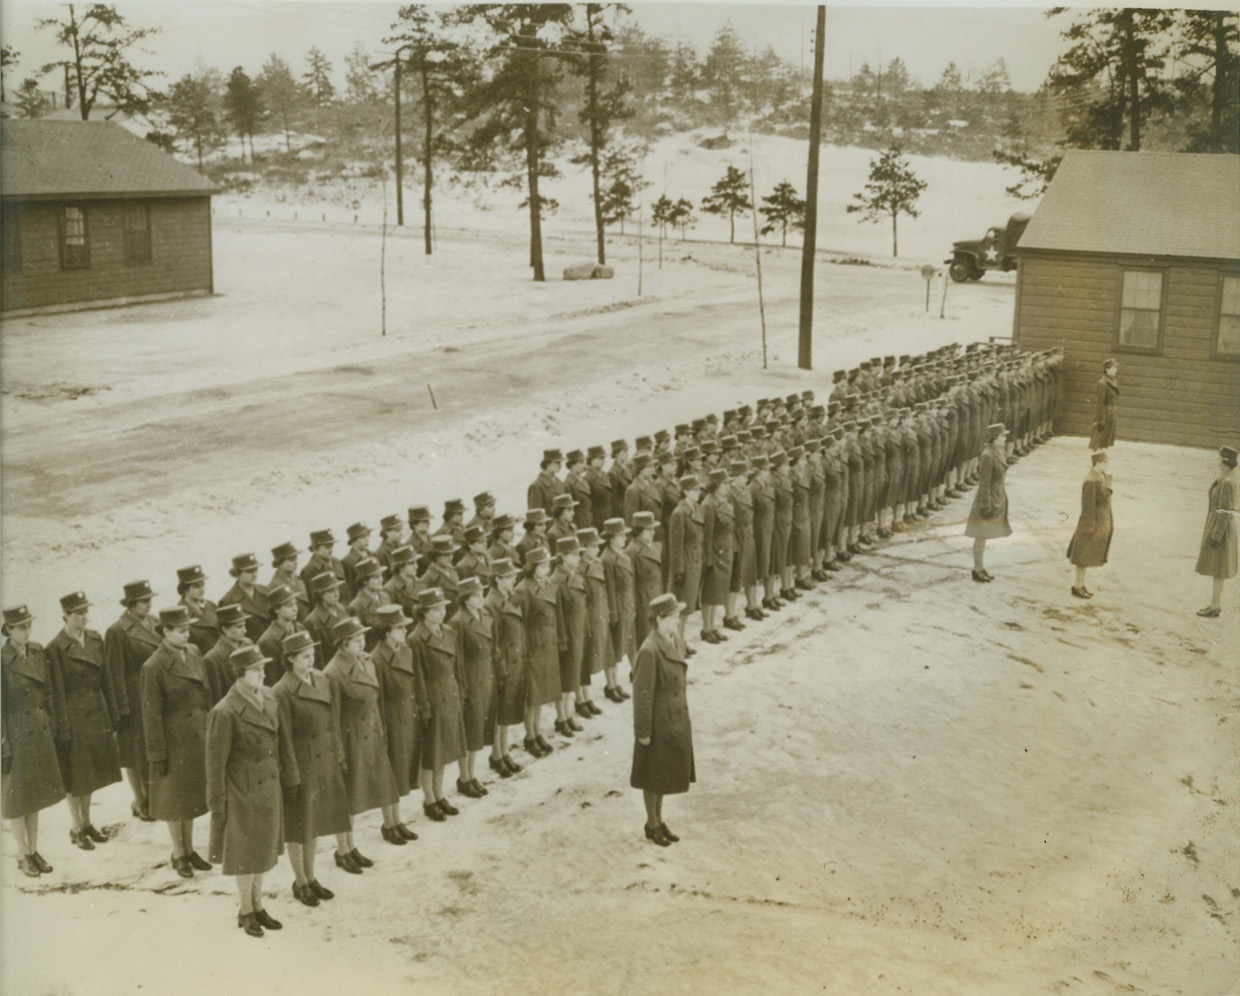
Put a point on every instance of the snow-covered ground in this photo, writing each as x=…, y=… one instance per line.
x=907, y=782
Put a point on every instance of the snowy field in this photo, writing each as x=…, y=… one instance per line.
x=908, y=783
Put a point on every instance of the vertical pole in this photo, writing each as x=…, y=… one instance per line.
x=805, y=343
x=757, y=252
x=400, y=182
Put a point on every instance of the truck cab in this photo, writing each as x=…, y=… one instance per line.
x=996, y=250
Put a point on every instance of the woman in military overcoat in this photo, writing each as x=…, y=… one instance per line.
x=475, y=635
x=718, y=535
x=988, y=518
x=663, y=737
x=508, y=618
x=1092, y=539
x=598, y=651
x=621, y=599
x=368, y=772
x=645, y=556
x=1106, y=407
x=316, y=802
x=127, y=644
x=540, y=604
x=176, y=697
x=86, y=713
x=31, y=772
x=437, y=659
x=1217, y=556
x=243, y=761
x=398, y=679
x=684, y=549
x=575, y=624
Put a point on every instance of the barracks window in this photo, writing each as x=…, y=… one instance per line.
x=1228, y=342
x=137, y=233
x=74, y=244
x=1140, y=315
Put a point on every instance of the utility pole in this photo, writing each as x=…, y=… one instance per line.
x=400, y=184
x=805, y=341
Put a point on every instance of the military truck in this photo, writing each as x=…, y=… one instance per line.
x=996, y=251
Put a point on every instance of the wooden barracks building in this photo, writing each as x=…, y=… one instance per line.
x=93, y=215
x=1136, y=255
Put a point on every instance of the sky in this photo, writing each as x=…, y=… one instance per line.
x=925, y=34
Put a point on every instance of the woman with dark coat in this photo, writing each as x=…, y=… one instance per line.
x=475, y=635
x=745, y=556
x=574, y=622
x=356, y=693
x=763, y=491
x=437, y=660
x=621, y=597
x=781, y=481
x=507, y=617
x=176, y=697
x=127, y=644
x=796, y=572
x=86, y=713
x=645, y=556
x=204, y=628
x=663, y=751
x=398, y=679
x=540, y=605
x=717, y=537
x=1106, y=406
x=243, y=761
x=315, y=800
x=684, y=549
x=31, y=772
x=1217, y=557
x=988, y=518
x=598, y=652
x=1092, y=539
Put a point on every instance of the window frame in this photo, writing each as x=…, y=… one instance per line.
x=62, y=232
x=138, y=251
x=1116, y=342
x=12, y=255
x=1215, y=352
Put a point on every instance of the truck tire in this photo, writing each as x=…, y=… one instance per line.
x=961, y=270
x=977, y=274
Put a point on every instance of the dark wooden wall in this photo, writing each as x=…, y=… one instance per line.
x=180, y=254
x=1185, y=394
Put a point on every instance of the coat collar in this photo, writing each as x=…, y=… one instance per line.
x=143, y=631
x=570, y=579
x=80, y=651
x=316, y=686
x=357, y=669
x=670, y=648
x=184, y=664
x=30, y=664
x=386, y=655
x=444, y=642
x=244, y=707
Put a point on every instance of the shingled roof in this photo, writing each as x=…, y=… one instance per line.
x=1144, y=203
x=44, y=160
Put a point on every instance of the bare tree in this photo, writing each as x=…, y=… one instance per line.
x=98, y=64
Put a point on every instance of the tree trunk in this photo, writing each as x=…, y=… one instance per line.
x=731, y=228
x=1133, y=74
x=83, y=107
x=427, y=171
x=596, y=143
x=895, y=241
x=1222, y=87
x=531, y=171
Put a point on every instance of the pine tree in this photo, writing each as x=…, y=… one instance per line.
x=243, y=105
x=515, y=106
x=98, y=64
x=31, y=101
x=729, y=196
x=280, y=94
x=193, y=105
x=1206, y=41
x=317, y=79
x=682, y=215
x=892, y=190
x=9, y=57
x=783, y=208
